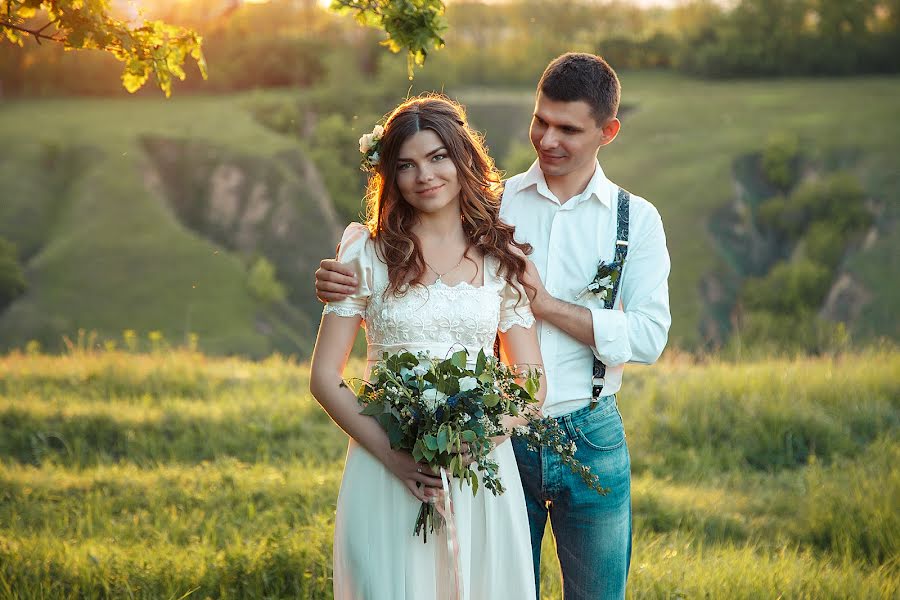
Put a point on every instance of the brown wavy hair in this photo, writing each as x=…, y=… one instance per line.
x=390, y=218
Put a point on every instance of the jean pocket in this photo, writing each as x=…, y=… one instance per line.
x=604, y=434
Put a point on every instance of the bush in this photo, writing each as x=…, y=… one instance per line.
x=824, y=243
x=838, y=198
x=12, y=278
x=783, y=216
x=790, y=289
x=780, y=158
x=263, y=283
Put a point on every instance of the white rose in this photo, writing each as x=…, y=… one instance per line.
x=378, y=132
x=433, y=399
x=365, y=142
x=419, y=370
x=467, y=383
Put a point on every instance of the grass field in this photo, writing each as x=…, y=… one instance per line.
x=173, y=475
x=103, y=252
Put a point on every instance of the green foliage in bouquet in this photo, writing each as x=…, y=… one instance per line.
x=430, y=407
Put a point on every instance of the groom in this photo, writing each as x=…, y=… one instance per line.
x=574, y=217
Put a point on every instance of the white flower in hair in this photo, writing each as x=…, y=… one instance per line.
x=365, y=143
x=368, y=140
x=368, y=145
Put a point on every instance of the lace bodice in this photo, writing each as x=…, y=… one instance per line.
x=436, y=318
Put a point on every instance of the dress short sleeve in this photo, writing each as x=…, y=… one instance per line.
x=515, y=309
x=357, y=251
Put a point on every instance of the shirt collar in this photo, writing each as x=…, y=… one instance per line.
x=597, y=187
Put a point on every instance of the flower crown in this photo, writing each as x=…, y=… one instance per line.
x=370, y=146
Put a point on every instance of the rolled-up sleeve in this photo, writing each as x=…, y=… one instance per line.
x=638, y=332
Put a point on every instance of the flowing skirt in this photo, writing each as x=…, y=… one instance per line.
x=377, y=557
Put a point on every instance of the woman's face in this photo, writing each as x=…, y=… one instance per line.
x=426, y=176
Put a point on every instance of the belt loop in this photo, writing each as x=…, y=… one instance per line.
x=569, y=426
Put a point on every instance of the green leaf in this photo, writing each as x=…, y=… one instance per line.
x=532, y=385
x=394, y=432
x=443, y=440
x=431, y=442
x=459, y=359
x=418, y=451
x=469, y=436
x=491, y=400
x=373, y=409
x=480, y=362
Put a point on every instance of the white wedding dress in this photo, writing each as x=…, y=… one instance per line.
x=376, y=555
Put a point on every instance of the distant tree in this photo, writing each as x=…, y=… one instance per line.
x=825, y=243
x=149, y=48
x=779, y=159
x=263, y=283
x=790, y=288
x=12, y=279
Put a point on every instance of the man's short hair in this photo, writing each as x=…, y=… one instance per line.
x=578, y=76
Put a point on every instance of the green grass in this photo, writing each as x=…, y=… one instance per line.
x=104, y=252
x=170, y=474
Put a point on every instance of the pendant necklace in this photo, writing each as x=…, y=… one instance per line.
x=440, y=275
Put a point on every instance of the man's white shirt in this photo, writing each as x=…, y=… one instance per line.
x=569, y=240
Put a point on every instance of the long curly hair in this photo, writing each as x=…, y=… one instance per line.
x=390, y=218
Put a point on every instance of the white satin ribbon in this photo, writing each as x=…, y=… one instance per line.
x=445, y=509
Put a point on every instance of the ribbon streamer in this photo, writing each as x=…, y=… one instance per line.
x=445, y=509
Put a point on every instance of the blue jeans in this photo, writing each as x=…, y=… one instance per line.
x=593, y=532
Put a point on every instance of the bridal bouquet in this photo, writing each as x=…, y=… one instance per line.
x=430, y=406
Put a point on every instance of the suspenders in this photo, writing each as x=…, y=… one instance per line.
x=622, y=213
x=621, y=251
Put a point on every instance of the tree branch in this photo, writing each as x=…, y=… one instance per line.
x=37, y=33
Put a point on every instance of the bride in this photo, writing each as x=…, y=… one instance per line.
x=436, y=271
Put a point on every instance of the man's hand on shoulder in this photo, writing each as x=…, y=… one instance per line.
x=334, y=281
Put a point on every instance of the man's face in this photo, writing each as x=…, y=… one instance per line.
x=566, y=137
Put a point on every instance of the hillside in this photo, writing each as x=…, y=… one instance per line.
x=145, y=214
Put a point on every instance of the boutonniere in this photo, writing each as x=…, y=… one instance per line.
x=604, y=281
